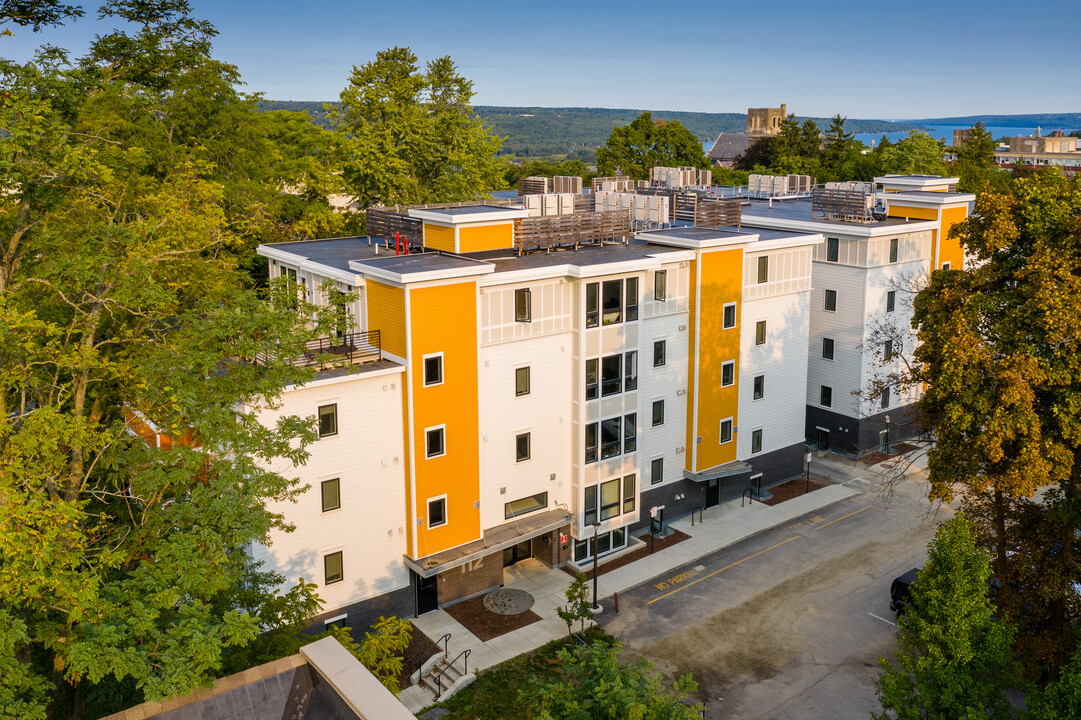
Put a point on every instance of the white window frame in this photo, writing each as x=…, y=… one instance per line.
x=651, y=461
x=442, y=428
x=820, y=389
x=765, y=332
x=424, y=370
x=735, y=315
x=428, y=511
x=753, y=381
x=327, y=553
x=529, y=439
x=731, y=433
x=733, y=364
x=761, y=440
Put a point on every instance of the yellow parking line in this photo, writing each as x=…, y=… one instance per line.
x=684, y=587
x=865, y=507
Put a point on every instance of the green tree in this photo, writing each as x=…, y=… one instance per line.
x=597, y=685
x=954, y=659
x=915, y=154
x=578, y=604
x=1060, y=699
x=976, y=158
x=381, y=651
x=760, y=153
x=411, y=136
x=645, y=143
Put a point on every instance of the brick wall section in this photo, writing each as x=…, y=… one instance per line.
x=471, y=579
x=551, y=553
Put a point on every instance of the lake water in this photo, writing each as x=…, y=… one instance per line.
x=943, y=132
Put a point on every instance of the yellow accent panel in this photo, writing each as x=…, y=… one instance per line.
x=443, y=319
x=386, y=313
x=951, y=250
x=486, y=237
x=692, y=335
x=722, y=282
x=439, y=237
x=913, y=212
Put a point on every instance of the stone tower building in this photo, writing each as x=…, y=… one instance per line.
x=765, y=121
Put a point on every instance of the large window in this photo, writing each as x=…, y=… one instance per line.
x=759, y=387
x=521, y=447
x=726, y=431
x=831, y=301
x=631, y=306
x=331, y=494
x=525, y=506
x=658, y=412
x=760, y=332
x=891, y=300
x=728, y=373
x=605, y=543
x=827, y=348
x=610, y=438
x=521, y=381
x=756, y=441
x=593, y=305
x=833, y=246
x=609, y=499
x=332, y=568
x=660, y=285
x=611, y=375
x=617, y=435
x=433, y=369
x=592, y=379
x=612, y=302
x=328, y=420
x=437, y=511
x=435, y=444
x=523, y=305
x=825, y=396
x=763, y=269
x=630, y=433
x=728, y=318
x=656, y=471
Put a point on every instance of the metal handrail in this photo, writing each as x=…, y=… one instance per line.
x=352, y=346
x=465, y=664
x=748, y=494
x=699, y=509
x=424, y=656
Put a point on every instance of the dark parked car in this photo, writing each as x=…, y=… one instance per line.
x=900, y=591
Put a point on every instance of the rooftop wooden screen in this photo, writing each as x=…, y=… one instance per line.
x=718, y=212
x=847, y=205
x=569, y=231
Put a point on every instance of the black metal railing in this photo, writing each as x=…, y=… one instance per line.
x=464, y=654
x=426, y=655
x=748, y=494
x=339, y=349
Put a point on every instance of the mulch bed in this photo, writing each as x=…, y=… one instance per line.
x=903, y=448
x=420, y=648
x=877, y=457
x=659, y=543
x=486, y=624
x=793, y=488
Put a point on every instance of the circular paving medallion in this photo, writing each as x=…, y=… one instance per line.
x=508, y=601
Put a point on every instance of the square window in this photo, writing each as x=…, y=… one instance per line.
x=760, y=332
x=331, y=494
x=630, y=371
x=831, y=301
x=437, y=512
x=656, y=471
x=833, y=249
x=435, y=442
x=521, y=447
x=592, y=379
x=726, y=431
x=610, y=499
x=658, y=412
x=729, y=317
x=759, y=387
x=756, y=441
x=893, y=250
x=628, y=493
x=521, y=381
x=825, y=396
x=332, y=568
x=728, y=373
x=328, y=420
x=827, y=348
x=611, y=375
x=885, y=398
x=763, y=269
x=433, y=370
x=630, y=432
x=945, y=266
x=611, y=440
x=660, y=285
x=632, y=299
x=612, y=302
x=593, y=312
x=891, y=300
x=523, y=305
x=589, y=515
x=591, y=443
x=660, y=353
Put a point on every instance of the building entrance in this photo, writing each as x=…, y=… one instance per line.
x=713, y=493
x=519, y=552
x=427, y=594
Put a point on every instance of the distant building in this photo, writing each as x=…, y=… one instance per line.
x=761, y=122
x=1054, y=150
x=765, y=121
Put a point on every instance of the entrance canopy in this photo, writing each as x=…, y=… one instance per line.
x=730, y=469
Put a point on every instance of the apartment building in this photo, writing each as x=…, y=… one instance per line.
x=505, y=405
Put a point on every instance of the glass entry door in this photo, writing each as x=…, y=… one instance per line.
x=519, y=552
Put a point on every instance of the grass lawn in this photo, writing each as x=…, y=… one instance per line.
x=495, y=693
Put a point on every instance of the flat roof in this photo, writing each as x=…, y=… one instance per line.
x=420, y=266
x=584, y=256
x=468, y=213
x=799, y=211
x=332, y=252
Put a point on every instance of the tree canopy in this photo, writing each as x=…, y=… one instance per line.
x=645, y=143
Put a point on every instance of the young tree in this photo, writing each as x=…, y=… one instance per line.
x=381, y=652
x=635, y=149
x=1060, y=699
x=954, y=659
x=578, y=604
x=976, y=159
x=915, y=154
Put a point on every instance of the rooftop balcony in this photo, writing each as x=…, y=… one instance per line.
x=352, y=348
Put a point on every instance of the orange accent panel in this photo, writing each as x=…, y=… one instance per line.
x=439, y=237
x=443, y=319
x=386, y=313
x=951, y=251
x=477, y=238
x=692, y=335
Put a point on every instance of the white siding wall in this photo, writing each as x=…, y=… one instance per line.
x=368, y=458
x=668, y=383
x=846, y=327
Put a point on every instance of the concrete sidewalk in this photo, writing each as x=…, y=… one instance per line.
x=722, y=526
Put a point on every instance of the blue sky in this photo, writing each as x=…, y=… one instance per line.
x=862, y=59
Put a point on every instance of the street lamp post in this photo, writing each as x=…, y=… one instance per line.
x=887, y=434
x=596, y=606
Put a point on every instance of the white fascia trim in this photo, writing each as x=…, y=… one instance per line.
x=915, y=182
x=731, y=238
x=788, y=242
x=482, y=268
x=304, y=263
x=485, y=215
x=352, y=377
x=556, y=272
x=830, y=228
x=951, y=199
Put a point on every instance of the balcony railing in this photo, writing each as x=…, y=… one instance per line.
x=351, y=348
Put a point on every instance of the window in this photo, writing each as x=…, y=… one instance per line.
x=726, y=431
x=610, y=438
x=756, y=441
x=611, y=375
x=833, y=248
x=332, y=568
x=763, y=269
x=945, y=266
x=891, y=300
x=331, y=494
x=760, y=332
x=525, y=506
x=885, y=398
x=825, y=396
x=831, y=300
x=609, y=499
x=433, y=370
x=729, y=317
x=630, y=371
x=660, y=353
x=656, y=471
x=628, y=493
x=521, y=447
x=590, y=515
x=887, y=351
x=523, y=305
x=827, y=348
x=592, y=381
x=632, y=299
x=435, y=445
x=630, y=433
x=728, y=373
x=437, y=511
x=658, y=412
x=660, y=285
x=604, y=543
x=893, y=250
x=328, y=420
x=593, y=313
x=521, y=381
x=612, y=302
x=591, y=443
x=759, y=387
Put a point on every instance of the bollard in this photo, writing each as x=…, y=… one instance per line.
x=615, y=596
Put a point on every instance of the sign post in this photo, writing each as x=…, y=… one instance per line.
x=807, y=472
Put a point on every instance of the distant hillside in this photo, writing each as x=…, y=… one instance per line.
x=541, y=132
x=1063, y=120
